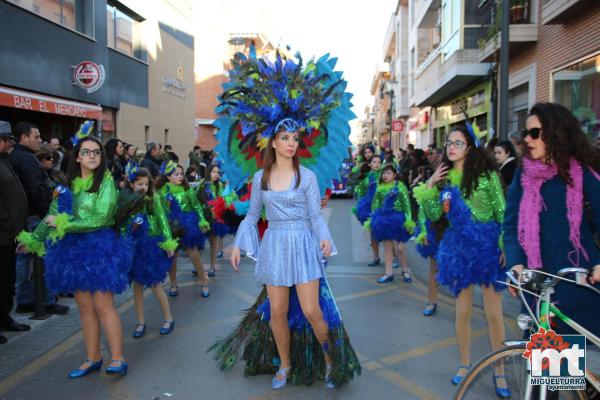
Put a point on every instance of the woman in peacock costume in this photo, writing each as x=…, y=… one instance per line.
x=82, y=252
x=186, y=215
x=364, y=193
x=472, y=199
x=277, y=116
x=391, y=221
x=142, y=218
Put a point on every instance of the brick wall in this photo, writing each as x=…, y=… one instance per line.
x=560, y=44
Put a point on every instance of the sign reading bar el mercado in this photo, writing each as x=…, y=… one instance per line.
x=89, y=76
x=174, y=86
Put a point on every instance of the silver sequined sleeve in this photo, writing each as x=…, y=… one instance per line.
x=247, y=235
x=319, y=227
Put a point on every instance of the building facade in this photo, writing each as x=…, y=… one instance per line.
x=63, y=62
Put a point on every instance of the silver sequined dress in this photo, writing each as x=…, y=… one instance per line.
x=289, y=252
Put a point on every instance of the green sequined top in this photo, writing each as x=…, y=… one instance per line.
x=362, y=188
x=486, y=202
x=158, y=223
x=91, y=212
x=187, y=199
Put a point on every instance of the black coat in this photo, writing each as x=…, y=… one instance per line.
x=33, y=178
x=13, y=203
x=152, y=165
x=507, y=172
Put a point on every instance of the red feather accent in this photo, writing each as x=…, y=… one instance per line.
x=217, y=208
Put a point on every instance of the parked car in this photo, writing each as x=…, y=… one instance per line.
x=343, y=186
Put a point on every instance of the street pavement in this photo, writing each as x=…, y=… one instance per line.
x=404, y=355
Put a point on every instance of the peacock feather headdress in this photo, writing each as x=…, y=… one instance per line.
x=264, y=97
x=85, y=130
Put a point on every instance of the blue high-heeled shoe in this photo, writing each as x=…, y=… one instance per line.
x=204, y=291
x=93, y=366
x=456, y=379
x=220, y=254
x=169, y=329
x=138, y=333
x=280, y=378
x=407, y=276
x=503, y=393
x=396, y=264
x=386, y=279
x=430, y=309
x=212, y=272
x=121, y=369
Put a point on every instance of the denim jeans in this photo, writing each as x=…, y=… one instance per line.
x=24, y=291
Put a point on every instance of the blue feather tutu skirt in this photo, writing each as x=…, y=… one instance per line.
x=150, y=263
x=429, y=250
x=192, y=235
x=469, y=253
x=253, y=342
x=388, y=224
x=97, y=261
x=363, y=206
x=219, y=229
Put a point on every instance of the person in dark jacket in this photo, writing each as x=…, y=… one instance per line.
x=545, y=223
x=35, y=182
x=504, y=153
x=115, y=161
x=152, y=160
x=13, y=219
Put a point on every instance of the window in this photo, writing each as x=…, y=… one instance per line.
x=518, y=107
x=451, y=20
x=167, y=137
x=122, y=32
x=577, y=87
x=146, y=134
x=73, y=14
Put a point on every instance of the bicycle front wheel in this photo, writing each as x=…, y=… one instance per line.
x=478, y=384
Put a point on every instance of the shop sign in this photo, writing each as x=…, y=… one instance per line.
x=464, y=104
x=33, y=102
x=397, y=125
x=89, y=76
x=175, y=86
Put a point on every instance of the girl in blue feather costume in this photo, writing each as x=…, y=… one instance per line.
x=391, y=221
x=364, y=192
x=427, y=240
x=83, y=254
x=213, y=189
x=186, y=215
x=471, y=197
x=143, y=220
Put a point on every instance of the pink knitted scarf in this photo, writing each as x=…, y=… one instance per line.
x=534, y=175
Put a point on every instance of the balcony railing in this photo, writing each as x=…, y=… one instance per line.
x=520, y=13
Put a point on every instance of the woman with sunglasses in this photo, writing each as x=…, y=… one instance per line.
x=82, y=252
x=467, y=191
x=553, y=205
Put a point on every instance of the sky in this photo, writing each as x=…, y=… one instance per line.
x=351, y=31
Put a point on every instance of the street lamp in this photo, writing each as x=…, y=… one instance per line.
x=238, y=43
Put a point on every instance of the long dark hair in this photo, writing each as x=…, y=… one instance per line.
x=74, y=168
x=365, y=147
x=478, y=162
x=131, y=202
x=564, y=139
x=269, y=162
x=208, y=181
x=111, y=148
x=161, y=180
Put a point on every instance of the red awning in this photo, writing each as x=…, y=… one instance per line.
x=36, y=102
